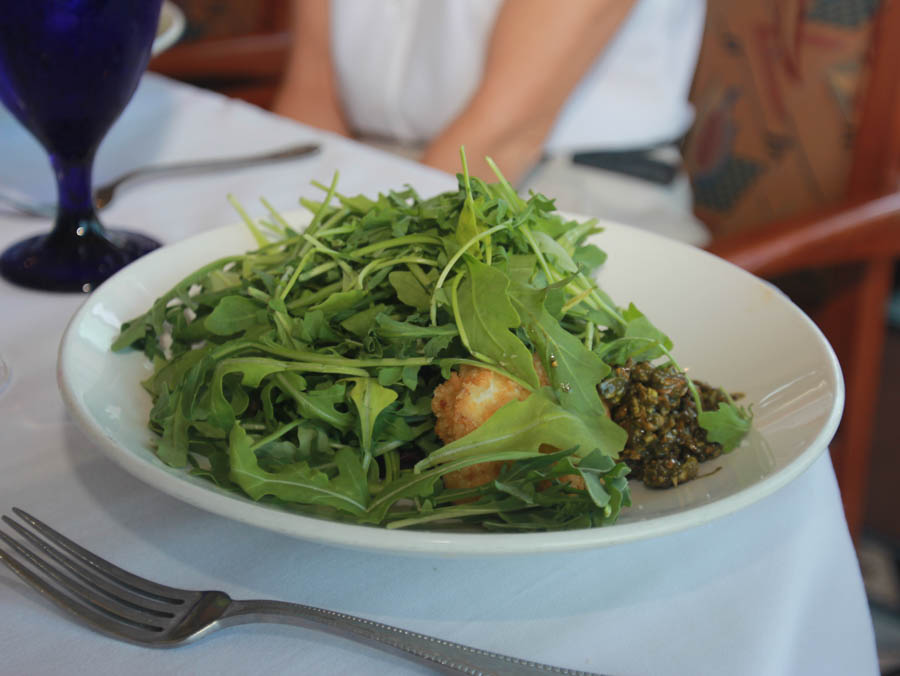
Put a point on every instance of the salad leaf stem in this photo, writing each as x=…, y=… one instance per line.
x=514, y=200
x=395, y=243
x=454, y=259
x=295, y=275
x=276, y=215
x=251, y=226
x=380, y=264
x=320, y=212
x=277, y=434
x=457, y=316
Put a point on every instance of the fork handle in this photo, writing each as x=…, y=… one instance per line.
x=434, y=652
x=222, y=162
x=104, y=194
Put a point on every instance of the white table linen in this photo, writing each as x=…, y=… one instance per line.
x=772, y=589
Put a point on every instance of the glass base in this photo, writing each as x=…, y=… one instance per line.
x=43, y=262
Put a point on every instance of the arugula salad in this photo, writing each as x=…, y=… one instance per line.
x=335, y=370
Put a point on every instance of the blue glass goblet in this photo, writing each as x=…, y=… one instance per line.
x=67, y=70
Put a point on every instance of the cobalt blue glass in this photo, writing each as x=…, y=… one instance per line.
x=67, y=70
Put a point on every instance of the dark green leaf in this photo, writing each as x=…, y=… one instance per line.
x=409, y=289
x=232, y=315
x=339, y=302
x=486, y=316
x=525, y=426
x=727, y=425
x=589, y=257
x=298, y=482
x=573, y=370
x=131, y=333
x=370, y=399
x=362, y=322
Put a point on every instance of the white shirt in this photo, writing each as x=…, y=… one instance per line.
x=407, y=68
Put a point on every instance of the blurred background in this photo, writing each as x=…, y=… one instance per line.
x=794, y=159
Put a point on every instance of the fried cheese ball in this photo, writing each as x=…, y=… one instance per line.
x=464, y=402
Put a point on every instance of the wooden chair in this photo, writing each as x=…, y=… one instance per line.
x=247, y=67
x=232, y=47
x=859, y=241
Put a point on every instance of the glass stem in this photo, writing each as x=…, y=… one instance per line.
x=75, y=216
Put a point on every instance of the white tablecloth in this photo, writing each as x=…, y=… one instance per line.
x=772, y=589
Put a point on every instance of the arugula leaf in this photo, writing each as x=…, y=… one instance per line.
x=395, y=330
x=319, y=404
x=132, y=332
x=640, y=340
x=573, y=370
x=520, y=268
x=172, y=448
x=527, y=425
x=555, y=252
x=589, y=257
x=638, y=326
x=412, y=485
x=467, y=222
x=370, y=399
x=362, y=322
x=223, y=412
x=232, y=315
x=169, y=375
x=727, y=425
x=409, y=289
x=340, y=301
x=313, y=327
x=486, y=316
x=348, y=491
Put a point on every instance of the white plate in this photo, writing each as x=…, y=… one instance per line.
x=729, y=328
x=171, y=26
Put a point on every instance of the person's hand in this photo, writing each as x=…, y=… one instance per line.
x=539, y=51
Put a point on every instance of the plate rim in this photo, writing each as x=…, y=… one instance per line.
x=428, y=542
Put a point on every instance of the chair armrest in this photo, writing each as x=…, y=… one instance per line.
x=867, y=229
x=234, y=58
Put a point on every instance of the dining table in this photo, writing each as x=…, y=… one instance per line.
x=771, y=588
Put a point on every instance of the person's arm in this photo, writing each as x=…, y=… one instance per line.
x=308, y=92
x=539, y=51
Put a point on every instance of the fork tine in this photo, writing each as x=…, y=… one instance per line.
x=94, y=617
x=78, y=592
x=121, y=577
x=56, y=596
x=116, y=593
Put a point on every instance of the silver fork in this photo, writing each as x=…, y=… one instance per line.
x=104, y=194
x=134, y=609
